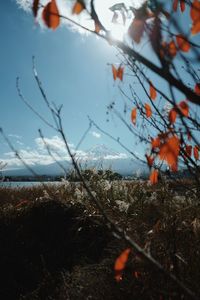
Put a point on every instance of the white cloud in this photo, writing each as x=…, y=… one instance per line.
x=96, y=134
x=19, y=137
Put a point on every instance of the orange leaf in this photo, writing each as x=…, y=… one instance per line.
x=148, y=110
x=184, y=108
x=182, y=5
x=172, y=49
x=120, y=263
x=97, y=27
x=188, y=150
x=195, y=11
x=78, y=7
x=134, y=115
x=136, y=30
x=50, y=15
x=150, y=160
x=195, y=27
x=155, y=143
x=154, y=177
x=118, y=73
x=182, y=43
x=196, y=152
x=35, y=7
x=172, y=116
x=153, y=93
x=169, y=152
x=197, y=89
x=175, y=5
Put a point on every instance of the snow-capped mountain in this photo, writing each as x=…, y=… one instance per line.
x=99, y=156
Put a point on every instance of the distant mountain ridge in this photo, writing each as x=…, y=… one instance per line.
x=99, y=156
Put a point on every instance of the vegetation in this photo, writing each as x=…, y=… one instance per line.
x=54, y=244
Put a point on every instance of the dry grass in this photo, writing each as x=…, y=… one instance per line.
x=54, y=244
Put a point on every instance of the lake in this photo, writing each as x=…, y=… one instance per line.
x=19, y=184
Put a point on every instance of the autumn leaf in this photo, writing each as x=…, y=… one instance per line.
x=184, y=108
x=153, y=177
x=197, y=89
x=78, y=7
x=134, y=115
x=50, y=15
x=189, y=135
x=169, y=152
x=152, y=91
x=196, y=152
x=97, y=28
x=148, y=110
x=195, y=16
x=120, y=264
x=182, y=5
x=188, y=150
x=118, y=73
x=172, y=115
x=136, y=30
x=35, y=7
x=150, y=160
x=155, y=143
x=182, y=43
x=172, y=50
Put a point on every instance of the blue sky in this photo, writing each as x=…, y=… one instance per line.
x=74, y=70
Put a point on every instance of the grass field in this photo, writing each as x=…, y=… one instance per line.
x=54, y=243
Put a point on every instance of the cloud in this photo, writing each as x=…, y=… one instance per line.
x=38, y=155
x=96, y=134
x=19, y=137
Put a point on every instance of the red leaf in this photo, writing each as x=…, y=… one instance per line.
x=136, y=30
x=195, y=28
x=148, y=110
x=134, y=115
x=155, y=143
x=35, y=7
x=150, y=160
x=184, y=108
x=172, y=116
x=50, y=15
x=175, y=5
x=152, y=91
x=169, y=152
x=188, y=150
x=182, y=5
x=195, y=16
x=78, y=7
x=118, y=73
x=196, y=152
x=182, y=43
x=172, y=49
x=120, y=263
x=154, y=177
x=197, y=89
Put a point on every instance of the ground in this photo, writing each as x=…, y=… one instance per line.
x=54, y=244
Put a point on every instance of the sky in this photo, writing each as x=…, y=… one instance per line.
x=75, y=70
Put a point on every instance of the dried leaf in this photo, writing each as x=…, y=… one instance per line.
x=134, y=115
x=195, y=28
x=182, y=43
x=150, y=160
x=188, y=150
x=172, y=49
x=78, y=7
x=136, y=30
x=118, y=73
x=184, y=108
x=172, y=115
x=195, y=16
x=153, y=177
x=120, y=264
x=35, y=7
x=182, y=5
x=169, y=152
x=196, y=152
x=175, y=5
x=50, y=15
x=114, y=71
x=148, y=110
x=155, y=143
x=152, y=91
x=197, y=89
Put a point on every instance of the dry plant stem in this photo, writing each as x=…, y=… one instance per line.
x=111, y=225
